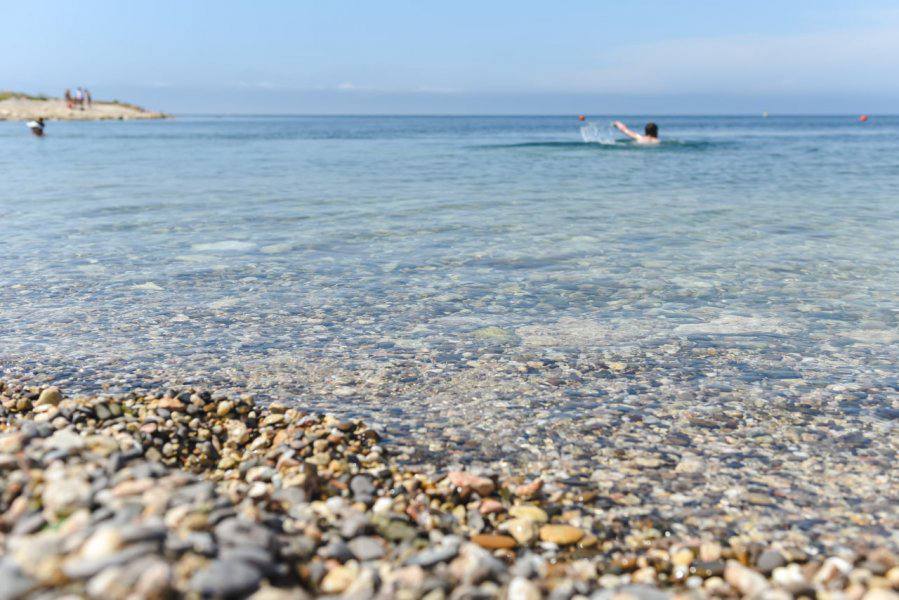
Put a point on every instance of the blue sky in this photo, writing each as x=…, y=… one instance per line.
x=391, y=56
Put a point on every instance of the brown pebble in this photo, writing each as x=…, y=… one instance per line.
x=469, y=481
x=530, y=489
x=563, y=535
x=494, y=541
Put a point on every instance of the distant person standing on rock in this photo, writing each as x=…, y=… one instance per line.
x=68, y=96
x=87, y=97
x=79, y=97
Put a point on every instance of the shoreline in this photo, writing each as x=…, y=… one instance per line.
x=187, y=492
x=21, y=108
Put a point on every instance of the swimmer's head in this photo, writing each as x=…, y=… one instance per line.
x=651, y=130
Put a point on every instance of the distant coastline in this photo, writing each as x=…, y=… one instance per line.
x=17, y=106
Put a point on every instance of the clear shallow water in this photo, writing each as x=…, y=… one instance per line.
x=407, y=269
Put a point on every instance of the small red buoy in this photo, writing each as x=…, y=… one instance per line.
x=863, y=118
x=581, y=118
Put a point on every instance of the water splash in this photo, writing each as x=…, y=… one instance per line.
x=594, y=133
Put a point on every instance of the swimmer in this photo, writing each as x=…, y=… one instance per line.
x=36, y=126
x=650, y=133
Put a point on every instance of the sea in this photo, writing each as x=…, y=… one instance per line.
x=392, y=268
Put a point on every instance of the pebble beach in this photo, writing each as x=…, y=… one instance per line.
x=185, y=492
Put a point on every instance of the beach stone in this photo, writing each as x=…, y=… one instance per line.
x=363, y=488
x=709, y=551
x=563, y=535
x=366, y=548
x=532, y=513
x=28, y=525
x=337, y=549
x=255, y=556
x=473, y=519
x=201, y=542
x=149, y=530
x=104, y=542
x=711, y=568
x=10, y=443
x=689, y=466
x=77, y=567
x=171, y=404
x=398, y=531
x=272, y=419
x=435, y=554
x=474, y=565
x=529, y=566
x=524, y=531
x=759, y=499
x=271, y=593
x=468, y=481
x=102, y=411
x=382, y=506
x=833, y=572
x=648, y=462
x=61, y=497
x=363, y=587
x=50, y=396
x=226, y=578
x=682, y=557
x=494, y=334
x=528, y=490
x=134, y=487
x=66, y=441
x=791, y=578
x=880, y=594
x=744, y=579
x=338, y=579
x=14, y=584
x=522, y=589
x=155, y=581
x=493, y=541
x=639, y=591
x=299, y=547
x=107, y=584
x=410, y=579
x=354, y=524
x=770, y=560
x=490, y=506
x=239, y=532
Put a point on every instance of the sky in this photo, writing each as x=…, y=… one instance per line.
x=461, y=57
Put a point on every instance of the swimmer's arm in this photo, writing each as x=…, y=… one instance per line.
x=623, y=129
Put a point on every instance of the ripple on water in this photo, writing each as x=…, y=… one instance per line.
x=224, y=246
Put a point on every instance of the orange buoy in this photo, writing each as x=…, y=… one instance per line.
x=863, y=118
x=581, y=118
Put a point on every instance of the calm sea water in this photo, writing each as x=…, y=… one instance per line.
x=267, y=254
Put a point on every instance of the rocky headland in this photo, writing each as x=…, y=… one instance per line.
x=22, y=107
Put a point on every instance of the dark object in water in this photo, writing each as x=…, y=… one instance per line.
x=37, y=126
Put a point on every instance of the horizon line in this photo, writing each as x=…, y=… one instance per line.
x=762, y=114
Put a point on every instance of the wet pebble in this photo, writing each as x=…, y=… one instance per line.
x=226, y=578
